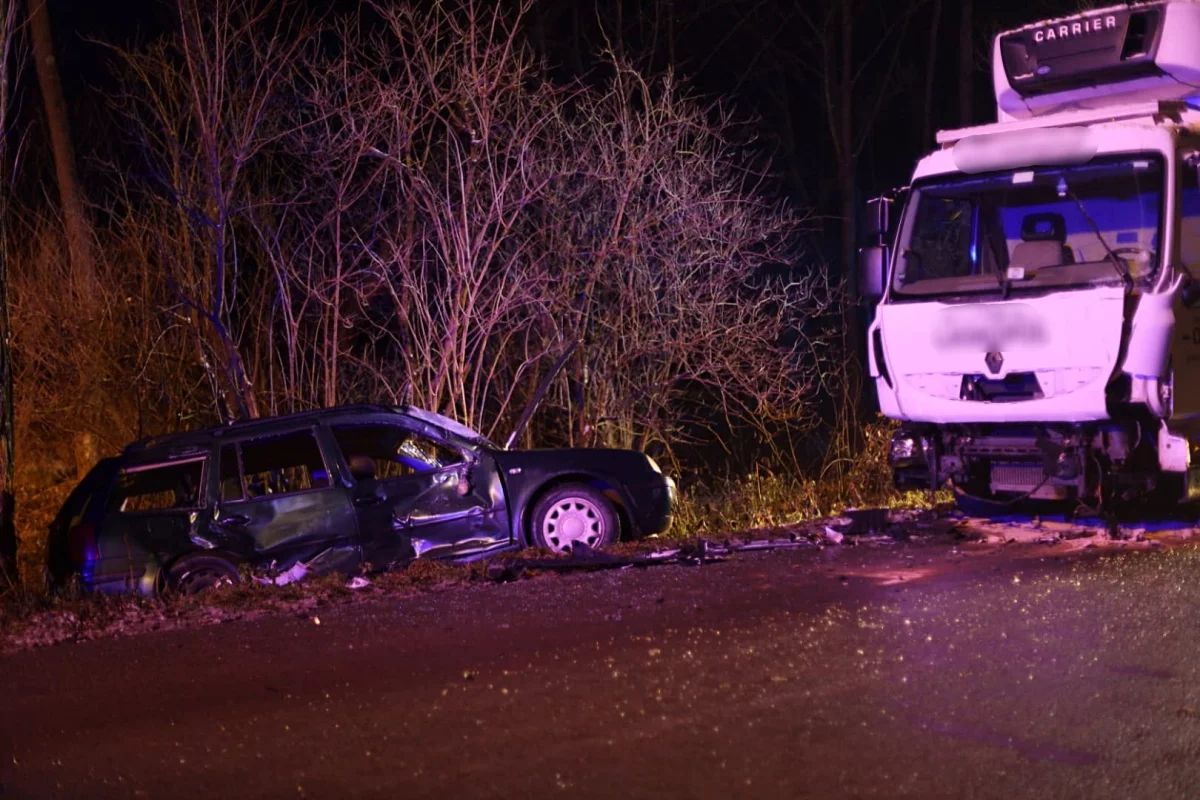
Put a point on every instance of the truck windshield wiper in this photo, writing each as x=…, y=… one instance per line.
x=1001, y=272
x=1110, y=254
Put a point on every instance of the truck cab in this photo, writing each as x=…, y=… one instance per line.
x=1037, y=331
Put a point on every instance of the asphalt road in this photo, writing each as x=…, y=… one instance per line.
x=900, y=671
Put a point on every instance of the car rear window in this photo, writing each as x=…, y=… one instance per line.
x=158, y=487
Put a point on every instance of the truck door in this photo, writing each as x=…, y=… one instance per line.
x=1185, y=344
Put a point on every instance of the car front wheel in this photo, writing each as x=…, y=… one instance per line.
x=574, y=513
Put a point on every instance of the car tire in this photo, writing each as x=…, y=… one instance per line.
x=571, y=513
x=195, y=574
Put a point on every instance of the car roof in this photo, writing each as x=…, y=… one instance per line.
x=189, y=440
x=178, y=444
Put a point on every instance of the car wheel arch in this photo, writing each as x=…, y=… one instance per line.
x=604, y=485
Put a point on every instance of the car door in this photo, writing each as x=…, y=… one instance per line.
x=419, y=495
x=276, y=495
x=155, y=510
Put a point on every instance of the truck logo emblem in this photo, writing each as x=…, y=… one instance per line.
x=1070, y=30
x=994, y=362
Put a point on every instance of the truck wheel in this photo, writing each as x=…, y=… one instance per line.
x=195, y=574
x=573, y=513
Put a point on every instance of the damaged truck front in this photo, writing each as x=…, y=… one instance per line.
x=1038, y=334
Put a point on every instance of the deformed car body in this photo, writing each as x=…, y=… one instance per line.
x=336, y=489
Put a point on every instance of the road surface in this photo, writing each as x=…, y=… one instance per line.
x=909, y=670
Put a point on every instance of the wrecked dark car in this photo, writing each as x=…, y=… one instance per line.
x=337, y=490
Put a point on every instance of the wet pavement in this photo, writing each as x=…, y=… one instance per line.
x=919, y=669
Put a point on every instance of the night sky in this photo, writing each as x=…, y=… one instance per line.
x=752, y=53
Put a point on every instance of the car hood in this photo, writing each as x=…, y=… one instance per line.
x=623, y=464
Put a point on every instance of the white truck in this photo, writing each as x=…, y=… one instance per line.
x=1038, y=325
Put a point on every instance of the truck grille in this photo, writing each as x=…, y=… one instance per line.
x=1009, y=477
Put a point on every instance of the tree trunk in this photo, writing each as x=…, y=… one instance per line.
x=966, y=64
x=74, y=219
x=8, y=535
x=79, y=243
x=846, y=174
x=930, y=67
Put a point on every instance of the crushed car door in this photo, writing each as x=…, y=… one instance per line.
x=155, y=512
x=277, y=499
x=419, y=496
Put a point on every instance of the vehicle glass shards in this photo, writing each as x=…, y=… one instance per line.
x=159, y=487
x=390, y=451
x=449, y=425
x=1044, y=227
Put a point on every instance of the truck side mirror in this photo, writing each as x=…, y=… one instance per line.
x=872, y=271
x=879, y=216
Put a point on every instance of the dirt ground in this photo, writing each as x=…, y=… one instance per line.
x=933, y=666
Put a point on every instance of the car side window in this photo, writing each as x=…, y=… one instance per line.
x=159, y=487
x=391, y=451
x=274, y=465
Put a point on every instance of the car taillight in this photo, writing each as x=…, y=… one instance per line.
x=81, y=544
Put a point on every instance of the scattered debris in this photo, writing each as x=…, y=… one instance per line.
x=331, y=559
x=836, y=537
x=295, y=573
x=358, y=582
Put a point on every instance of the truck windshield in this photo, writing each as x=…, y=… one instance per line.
x=1045, y=227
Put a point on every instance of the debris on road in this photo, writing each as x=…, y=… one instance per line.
x=835, y=537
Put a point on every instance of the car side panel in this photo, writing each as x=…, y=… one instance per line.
x=647, y=496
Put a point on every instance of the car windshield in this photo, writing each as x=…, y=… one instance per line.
x=449, y=425
x=1045, y=227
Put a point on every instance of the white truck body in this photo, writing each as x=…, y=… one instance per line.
x=1038, y=331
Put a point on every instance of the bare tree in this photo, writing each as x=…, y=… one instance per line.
x=966, y=63
x=73, y=213
x=202, y=103
x=668, y=245
x=10, y=65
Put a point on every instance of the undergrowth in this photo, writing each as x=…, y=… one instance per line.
x=772, y=498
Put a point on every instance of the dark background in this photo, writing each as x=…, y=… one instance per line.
x=766, y=58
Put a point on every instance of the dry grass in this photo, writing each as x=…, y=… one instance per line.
x=769, y=499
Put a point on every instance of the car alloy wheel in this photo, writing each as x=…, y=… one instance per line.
x=574, y=515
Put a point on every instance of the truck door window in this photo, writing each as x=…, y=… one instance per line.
x=391, y=451
x=1189, y=233
x=941, y=243
x=279, y=465
x=159, y=487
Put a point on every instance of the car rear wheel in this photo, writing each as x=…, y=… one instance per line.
x=574, y=513
x=196, y=574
